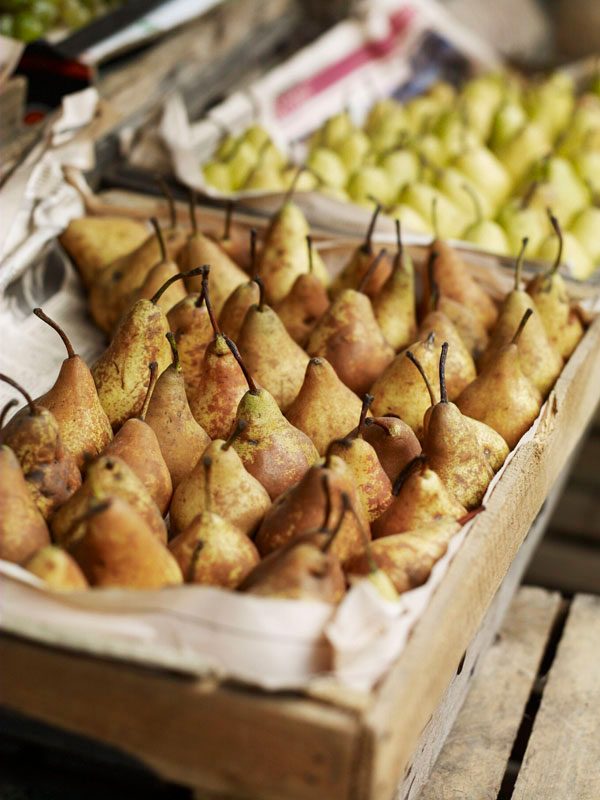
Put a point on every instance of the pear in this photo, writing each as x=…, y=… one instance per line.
x=51, y=472
x=585, y=228
x=410, y=219
x=485, y=233
x=469, y=327
x=523, y=149
x=400, y=391
x=479, y=100
x=305, y=303
x=493, y=445
x=241, y=162
x=121, y=372
x=350, y=339
x=448, y=220
x=502, y=396
x=284, y=256
x=538, y=358
x=452, y=448
x=94, y=242
x=190, y=324
x=394, y=305
x=108, y=476
x=23, y=530
x=482, y=167
x=236, y=306
x=212, y=550
x=181, y=439
x=420, y=499
x=118, y=549
x=271, y=449
x=57, y=569
x=549, y=293
x=84, y=427
x=359, y=264
x=509, y=119
x=394, y=442
x=327, y=167
x=161, y=272
x=560, y=188
x=264, y=178
x=574, y=256
x=325, y=408
x=372, y=484
x=353, y=149
x=217, y=174
x=233, y=239
x=370, y=184
x=550, y=103
x=461, y=190
x=402, y=166
x=520, y=217
x=137, y=444
x=235, y=495
x=270, y=354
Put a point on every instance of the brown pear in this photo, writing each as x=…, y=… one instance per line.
x=181, y=439
x=394, y=442
x=325, y=408
x=359, y=265
x=469, y=327
x=420, y=499
x=233, y=240
x=162, y=271
x=118, y=549
x=212, y=550
x=395, y=305
x=304, y=304
x=400, y=391
x=235, y=495
x=57, y=569
x=51, y=472
x=493, y=445
x=239, y=301
x=270, y=354
x=5, y=410
x=94, y=242
x=272, y=450
x=137, y=444
x=108, y=476
x=190, y=324
x=23, y=530
x=502, y=396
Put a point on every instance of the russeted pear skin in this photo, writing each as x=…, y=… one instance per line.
x=372, y=484
x=213, y=552
x=394, y=304
x=118, y=549
x=422, y=499
x=190, y=324
x=107, y=477
x=470, y=328
x=460, y=367
x=359, y=264
x=157, y=276
x=494, y=447
x=57, y=568
x=225, y=274
x=235, y=495
x=394, y=442
x=235, y=308
x=325, y=408
x=23, y=529
x=302, y=307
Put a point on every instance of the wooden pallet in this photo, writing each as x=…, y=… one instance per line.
x=529, y=726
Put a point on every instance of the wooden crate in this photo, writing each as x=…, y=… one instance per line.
x=233, y=741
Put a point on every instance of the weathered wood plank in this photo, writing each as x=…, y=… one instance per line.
x=475, y=755
x=563, y=755
x=578, y=513
x=566, y=565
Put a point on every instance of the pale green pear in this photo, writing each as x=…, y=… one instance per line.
x=327, y=167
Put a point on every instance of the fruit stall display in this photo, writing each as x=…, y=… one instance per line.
x=28, y=20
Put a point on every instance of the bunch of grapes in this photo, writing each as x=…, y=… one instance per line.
x=28, y=20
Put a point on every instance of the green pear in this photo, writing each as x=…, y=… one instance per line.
x=369, y=184
x=328, y=167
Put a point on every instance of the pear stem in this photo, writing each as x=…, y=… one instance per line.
x=191, y=571
x=261, y=292
x=174, y=350
x=443, y=390
x=192, y=207
x=33, y=409
x=290, y=192
x=519, y=264
x=327, y=492
x=253, y=263
x=430, y=338
x=228, y=217
x=346, y=505
x=407, y=470
x=240, y=426
x=209, y=308
x=309, y=246
x=180, y=276
x=434, y=218
x=45, y=318
x=207, y=464
x=528, y=196
x=153, y=367
x=557, y=230
x=475, y=200
x=367, y=246
x=519, y=331
x=411, y=357
x=6, y=409
x=399, y=245
x=236, y=354
x=372, y=269
x=434, y=289
x=366, y=404
x=169, y=197
x=161, y=241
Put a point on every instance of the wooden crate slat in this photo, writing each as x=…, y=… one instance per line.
x=477, y=750
x=579, y=512
x=566, y=565
x=562, y=760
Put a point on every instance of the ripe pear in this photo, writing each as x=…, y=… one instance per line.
x=137, y=444
x=393, y=441
x=493, y=445
x=271, y=449
x=235, y=495
x=270, y=354
x=560, y=188
x=84, y=427
x=485, y=233
x=469, y=327
x=502, y=395
x=370, y=184
x=23, y=530
x=305, y=303
x=482, y=167
x=118, y=549
x=394, y=304
x=400, y=391
x=164, y=269
x=449, y=220
x=359, y=264
x=235, y=308
x=190, y=323
x=585, y=228
x=51, y=472
x=106, y=477
x=353, y=150
x=94, y=242
x=402, y=166
x=538, y=358
x=57, y=569
x=549, y=294
x=325, y=409
x=519, y=218
x=550, y=103
x=509, y=119
x=575, y=257
x=420, y=499
x=327, y=166
x=181, y=439
x=519, y=153
x=411, y=220
x=309, y=504
x=461, y=190
x=372, y=483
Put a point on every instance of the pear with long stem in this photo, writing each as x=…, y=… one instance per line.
x=164, y=269
x=394, y=305
x=239, y=301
